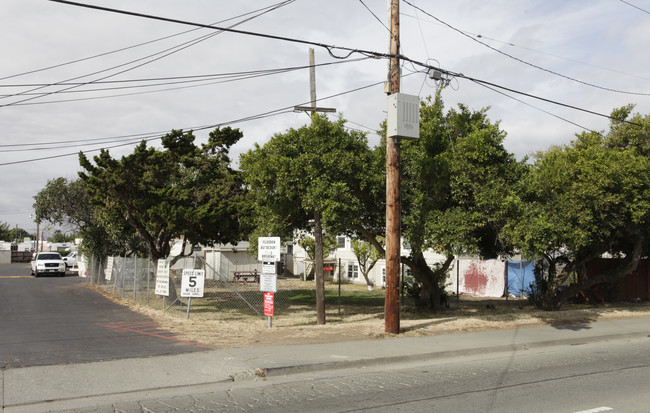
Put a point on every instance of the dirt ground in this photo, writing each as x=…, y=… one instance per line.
x=300, y=327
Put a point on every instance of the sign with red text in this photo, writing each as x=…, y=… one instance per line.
x=268, y=304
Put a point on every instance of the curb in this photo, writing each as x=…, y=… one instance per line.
x=345, y=364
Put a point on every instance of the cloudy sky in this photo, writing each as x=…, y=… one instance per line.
x=78, y=79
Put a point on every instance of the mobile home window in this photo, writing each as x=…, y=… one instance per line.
x=353, y=270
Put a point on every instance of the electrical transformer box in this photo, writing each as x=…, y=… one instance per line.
x=403, y=120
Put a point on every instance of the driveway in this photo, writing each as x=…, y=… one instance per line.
x=52, y=320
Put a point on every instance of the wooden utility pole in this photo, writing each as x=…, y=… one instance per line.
x=393, y=233
x=319, y=274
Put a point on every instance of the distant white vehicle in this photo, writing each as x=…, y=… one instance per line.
x=48, y=263
x=70, y=260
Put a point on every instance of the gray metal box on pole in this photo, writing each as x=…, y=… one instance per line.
x=403, y=120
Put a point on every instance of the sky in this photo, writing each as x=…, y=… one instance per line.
x=80, y=79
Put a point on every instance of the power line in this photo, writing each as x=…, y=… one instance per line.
x=151, y=136
x=530, y=49
x=161, y=54
x=350, y=51
x=535, y=107
x=636, y=7
x=374, y=15
x=521, y=60
x=272, y=7
x=329, y=48
x=483, y=83
x=203, y=80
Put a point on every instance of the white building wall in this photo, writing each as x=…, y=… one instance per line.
x=347, y=257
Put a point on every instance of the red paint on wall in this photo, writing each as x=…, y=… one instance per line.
x=475, y=280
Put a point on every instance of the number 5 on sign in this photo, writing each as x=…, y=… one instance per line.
x=192, y=283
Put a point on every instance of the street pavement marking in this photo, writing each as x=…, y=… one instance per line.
x=147, y=328
x=15, y=276
x=596, y=410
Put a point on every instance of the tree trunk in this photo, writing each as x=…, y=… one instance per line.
x=318, y=269
x=430, y=280
x=626, y=266
x=365, y=276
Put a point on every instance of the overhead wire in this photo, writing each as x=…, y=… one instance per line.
x=555, y=102
x=330, y=48
x=160, y=54
x=351, y=51
x=530, y=49
x=203, y=82
x=271, y=7
x=151, y=136
x=535, y=107
x=374, y=15
x=635, y=6
x=521, y=60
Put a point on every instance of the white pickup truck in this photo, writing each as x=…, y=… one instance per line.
x=70, y=260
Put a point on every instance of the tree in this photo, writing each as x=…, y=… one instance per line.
x=309, y=245
x=583, y=200
x=60, y=236
x=64, y=202
x=179, y=191
x=456, y=191
x=367, y=256
x=306, y=179
x=67, y=202
x=18, y=234
x=5, y=232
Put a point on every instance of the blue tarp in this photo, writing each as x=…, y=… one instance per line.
x=520, y=276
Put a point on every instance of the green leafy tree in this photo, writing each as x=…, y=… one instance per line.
x=64, y=202
x=367, y=256
x=309, y=245
x=583, y=200
x=457, y=192
x=5, y=232
x=67, y=203
x=306, y=179
x=19, y=234
x=60, y=237
x=179, y=191
x=182, y=191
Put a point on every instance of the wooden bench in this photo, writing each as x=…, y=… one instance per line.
x=246, y=276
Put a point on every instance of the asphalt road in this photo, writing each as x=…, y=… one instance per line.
x=53, y=320
x=590, y=378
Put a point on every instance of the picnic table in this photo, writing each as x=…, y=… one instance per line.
x=246, y=276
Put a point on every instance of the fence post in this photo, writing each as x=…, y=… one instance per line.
x=521, y=276
x=135, y=276
x=457, y=282
x=506, y=277
x=339, y=288
x=148, y=274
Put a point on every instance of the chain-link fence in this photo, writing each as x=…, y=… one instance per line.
x=231, y=289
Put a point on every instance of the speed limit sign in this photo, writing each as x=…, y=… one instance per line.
x=192, y=283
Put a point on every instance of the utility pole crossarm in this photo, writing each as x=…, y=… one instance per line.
x=313, y=109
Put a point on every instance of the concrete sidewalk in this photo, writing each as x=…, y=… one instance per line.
x=34, y=389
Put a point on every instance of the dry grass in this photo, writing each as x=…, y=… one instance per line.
x=298, y=325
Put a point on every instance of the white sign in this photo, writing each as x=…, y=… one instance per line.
x=192, y=283
x=162, y=278
x=268, y=268
x=109, y=269
x=268, y=249
x=269, y=283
